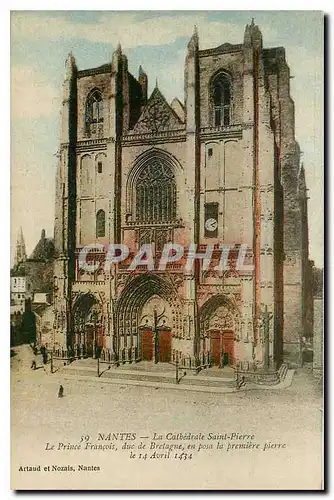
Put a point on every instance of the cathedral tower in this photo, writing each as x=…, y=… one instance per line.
x=216, y=172
x=20, y=250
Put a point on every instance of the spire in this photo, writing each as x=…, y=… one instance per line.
x=195, y=34
x=193, y=42
x=255, y=34
x=247, y=35
x=20, y=253
x=142, y=79
x=141, y=72
x=116, y=58
x=302, y=181
x=302, y=173
x=70, y=66
x=252, y=34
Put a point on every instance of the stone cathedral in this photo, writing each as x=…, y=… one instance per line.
x=223, y=166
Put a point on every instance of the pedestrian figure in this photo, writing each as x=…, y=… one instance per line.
x=33, y=365
x=61, y=392
x=241, y=383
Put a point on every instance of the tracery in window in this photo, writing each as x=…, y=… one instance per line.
x=221, y=96
x=156, y=193
x=94, y=113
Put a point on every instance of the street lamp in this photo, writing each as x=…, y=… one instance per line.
x=96, y=347
x=177, y=368
x=266, y=318
x=94, y=316
x=156, y=318
x=156, y=336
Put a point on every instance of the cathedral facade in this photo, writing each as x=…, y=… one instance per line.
x=222, y=167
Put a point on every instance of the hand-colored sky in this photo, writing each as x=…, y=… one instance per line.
x=41, y=40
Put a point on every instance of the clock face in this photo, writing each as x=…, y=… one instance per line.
x=211, y=224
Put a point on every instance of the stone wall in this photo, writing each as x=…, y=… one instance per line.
x=318, y=338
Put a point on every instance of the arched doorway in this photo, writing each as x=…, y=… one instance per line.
x=147, y=316
x=156, y=330
x=88, y=324
x=219, y=323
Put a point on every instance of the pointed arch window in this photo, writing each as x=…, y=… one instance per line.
x=100, y=224
x=221, y=97
x=156, y=193
x=94, y=111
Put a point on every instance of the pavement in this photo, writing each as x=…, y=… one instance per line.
x=92, y=406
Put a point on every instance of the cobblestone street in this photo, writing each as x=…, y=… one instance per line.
x=291, y=416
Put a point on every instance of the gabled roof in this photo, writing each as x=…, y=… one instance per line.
x=44, y=250
x=157, y=116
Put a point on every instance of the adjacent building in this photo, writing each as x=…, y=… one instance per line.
x=31, y=286
x=17, y=294
x=318, y=323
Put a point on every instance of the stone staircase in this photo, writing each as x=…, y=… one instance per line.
x=162, y=373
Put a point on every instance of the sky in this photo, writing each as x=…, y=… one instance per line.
x=41, y=40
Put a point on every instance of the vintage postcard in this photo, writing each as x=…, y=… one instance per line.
x=167, y=250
